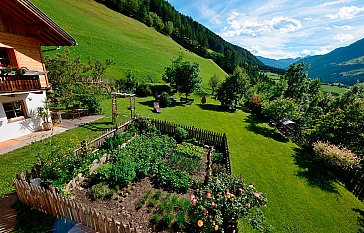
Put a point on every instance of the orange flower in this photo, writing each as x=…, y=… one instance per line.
x=208, y=195
x=216, y=227
x=200, y=223
x=213, y=204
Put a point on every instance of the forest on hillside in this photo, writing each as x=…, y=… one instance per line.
x=190, y=34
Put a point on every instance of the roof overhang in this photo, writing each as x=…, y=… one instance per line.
x=47, y=31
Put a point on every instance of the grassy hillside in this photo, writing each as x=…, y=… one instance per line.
x=102, y=33
x=333, y=89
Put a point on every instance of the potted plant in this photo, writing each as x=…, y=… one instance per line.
x=44, y=113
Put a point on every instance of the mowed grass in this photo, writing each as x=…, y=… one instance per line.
x=333, y=89
x=301, y=197
x=102, y=33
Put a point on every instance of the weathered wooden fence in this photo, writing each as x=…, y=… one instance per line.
x=218, y=140
x=354, y=182
x=97, y=142
x=60, y=207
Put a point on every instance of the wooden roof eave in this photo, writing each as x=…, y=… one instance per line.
x=50, y=32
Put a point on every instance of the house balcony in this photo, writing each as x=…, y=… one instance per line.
x=10, y=83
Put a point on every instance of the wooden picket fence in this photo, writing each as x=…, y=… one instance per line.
x=218, y=140
x=60, y=207
x=97, y=142
x=354, y=182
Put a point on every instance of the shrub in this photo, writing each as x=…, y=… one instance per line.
x=91, y=102
x=158, y=89
x=143, y=90
x=164, y=100
x=180, y=135
x=338, y=157
x=217, y=157
x=101, y=191
x=223, y=200
x=172, y=180
x=281, y=108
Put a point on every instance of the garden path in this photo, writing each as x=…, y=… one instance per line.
x=66, y=124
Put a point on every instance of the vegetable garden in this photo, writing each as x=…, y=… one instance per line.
x=157, y=179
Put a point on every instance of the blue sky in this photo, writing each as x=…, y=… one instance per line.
x=280, y=28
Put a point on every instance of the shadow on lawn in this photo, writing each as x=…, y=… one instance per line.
x=211, y=107
x=313, y=171
x=272, y=133
x=97, y=126
x=360, y=219
x=149, y=103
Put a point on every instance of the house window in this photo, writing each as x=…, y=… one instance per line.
x=4, y=58
x=14, y=109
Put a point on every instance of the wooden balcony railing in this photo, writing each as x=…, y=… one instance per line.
x=17, y=83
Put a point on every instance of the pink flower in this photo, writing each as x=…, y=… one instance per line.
x=208, y=195
x=192, y=197
x=240, y=189
x=256, y=194
x=213, y=204
x=194, y=201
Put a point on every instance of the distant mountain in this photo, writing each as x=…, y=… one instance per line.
x=344, y=65
x=280, y=63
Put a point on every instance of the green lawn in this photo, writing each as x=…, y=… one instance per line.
x=301, y=198
x=102, y=33
x=333, y=89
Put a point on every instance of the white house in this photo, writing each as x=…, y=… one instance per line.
x=23, y=30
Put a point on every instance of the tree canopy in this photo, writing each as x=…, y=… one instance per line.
x=183, y=76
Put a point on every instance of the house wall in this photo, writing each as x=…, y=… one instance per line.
x=10, y=130
x=27, y=50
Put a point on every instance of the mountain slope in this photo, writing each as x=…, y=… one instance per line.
x=102, y=33
x=344, y=65
x=280, y=63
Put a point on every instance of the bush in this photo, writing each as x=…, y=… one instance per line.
x=101, y=191
x=164, y=100
x=158, y=89
x=282, y=108
x=91, y=102
x=335, y=156
x=172, y=180
x=143, y=90
x=180, y=135
x=223, y=200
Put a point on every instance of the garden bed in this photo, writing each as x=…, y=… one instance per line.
x=158, y=183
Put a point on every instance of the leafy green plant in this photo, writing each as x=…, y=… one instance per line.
x=180, y=161
x=143, y=200
x=101, y=191
x=217, y=157
x=190, y=150
x=181, y=134
x=164, y=100
x=172, y=180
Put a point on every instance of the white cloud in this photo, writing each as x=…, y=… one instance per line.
x=243, y=24
x=312, y=52
x=343, y=37
x=337, y=2
x=344, y=27
x=307, y=18
x=346, y=13
x=285, y=24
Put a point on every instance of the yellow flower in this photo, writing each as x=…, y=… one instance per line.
x=200, y=223
x=216, y=227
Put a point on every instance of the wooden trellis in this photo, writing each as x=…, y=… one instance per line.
x=115, y=112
